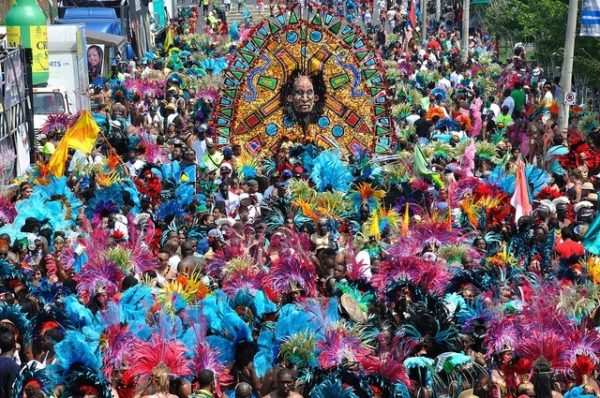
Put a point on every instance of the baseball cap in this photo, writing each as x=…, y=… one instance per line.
x=298, y=170
x=226, y=167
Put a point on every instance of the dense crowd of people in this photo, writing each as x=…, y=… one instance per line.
x=162, y=263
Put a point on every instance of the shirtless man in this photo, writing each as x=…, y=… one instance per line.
x=189, y=263
x=285, y=381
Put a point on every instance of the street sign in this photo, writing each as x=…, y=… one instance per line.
x=570, y=98
x=590, y=18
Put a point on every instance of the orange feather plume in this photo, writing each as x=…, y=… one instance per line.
x=113, y=160
x=366, y=191
x=307, y=209
x=554, y=108
x=435, y=111
x=44, y=174
x=469, y=210
x=465, y=120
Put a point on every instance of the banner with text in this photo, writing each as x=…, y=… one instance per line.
x=590, y=18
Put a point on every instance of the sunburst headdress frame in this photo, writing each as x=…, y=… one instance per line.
x=355, y=111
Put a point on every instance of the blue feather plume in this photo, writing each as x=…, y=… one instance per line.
x=75, y=349
x=135, y=303
x=332, y=388
x=265, y=358
x=223, y=320
x=14, y=314
x=77, y=313
x=330, y=173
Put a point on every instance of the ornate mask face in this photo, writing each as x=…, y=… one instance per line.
x=303, y=96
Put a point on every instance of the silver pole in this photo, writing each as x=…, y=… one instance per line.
x=424, y=14
x=567, y=67
x=465, y=31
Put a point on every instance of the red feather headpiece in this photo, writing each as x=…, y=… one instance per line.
x=146, y=358
x=583, y=368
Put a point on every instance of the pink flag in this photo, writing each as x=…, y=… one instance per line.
x=520, y=199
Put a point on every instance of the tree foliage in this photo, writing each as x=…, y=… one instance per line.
x=543, y=24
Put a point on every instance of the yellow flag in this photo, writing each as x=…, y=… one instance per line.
x=56, y=165
x=168, y=40
x=83, y=134
x=405, y=221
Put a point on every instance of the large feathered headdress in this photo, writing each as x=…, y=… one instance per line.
x=330, y=173
x=32, y=378
x=14, y=315
x=77, y=367
x=103, y=276
x=158, y=358
x=291, y=270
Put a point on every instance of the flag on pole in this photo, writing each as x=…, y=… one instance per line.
x=412, y=15
x=420, y=163
x=520, y=199
x=56, y=164
x=168, y=39
x=84, y=133
x=591, y=238
x=81, y=136
x=590, y=18
x=405, y=222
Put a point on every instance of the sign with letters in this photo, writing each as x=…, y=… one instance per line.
x=590, y=18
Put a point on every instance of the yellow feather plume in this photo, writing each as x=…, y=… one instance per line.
x=300, y=189
x=593, y=268
x=380, y=220
x=181, y=292
x=405, y=222
x=238, y=264
x=331, y=204
x=372, y=226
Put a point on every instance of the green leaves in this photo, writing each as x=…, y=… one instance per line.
x=542, y=23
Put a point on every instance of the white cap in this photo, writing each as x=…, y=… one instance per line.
x=582, y=204
x=563, y=200
x=549, y=205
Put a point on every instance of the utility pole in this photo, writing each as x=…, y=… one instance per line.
x=567, y=67
x=464, y=42
x=424, y=15
x=438, y=10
